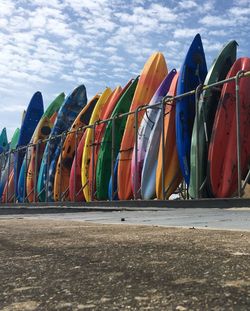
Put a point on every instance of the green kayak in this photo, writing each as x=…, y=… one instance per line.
x=207, y=106
x=103, y=170
x=14, y=139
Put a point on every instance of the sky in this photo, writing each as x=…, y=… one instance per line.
x=56, y=45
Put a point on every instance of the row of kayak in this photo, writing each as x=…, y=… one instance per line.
x=71, y=156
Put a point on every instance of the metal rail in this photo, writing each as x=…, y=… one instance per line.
x=167, y=100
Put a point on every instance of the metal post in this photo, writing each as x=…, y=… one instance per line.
x=60, y=165
x=15, y=173
x=162, y=150
x=197, y=150
x=1, y=163
x=238, y=141
x=112, y=158
x=76, y=145
x=93, y=160
x=25, y=170
x=36, y=169
x=8, y=176
x=47, y=173
x=246, y=180
x=136, y=154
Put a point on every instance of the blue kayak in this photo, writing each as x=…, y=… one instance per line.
x=114, y=195
x=192, y=73
x=69, y=110
x=32, y=116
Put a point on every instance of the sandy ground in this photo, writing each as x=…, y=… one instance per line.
x=247, y=191
x=69, y=265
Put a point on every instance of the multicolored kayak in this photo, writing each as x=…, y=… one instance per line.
x=66, y=115
x=103, y=169
x=42, y=132
x=88, y=143
x=222, y=156
x=99, y=132
x=172, y=171
x=192, y=74
x=148, y=180
x=208, y=103
x=144, y=132
x=65, y=160
x=32, y=117
x=9, y=164
x=154, y=71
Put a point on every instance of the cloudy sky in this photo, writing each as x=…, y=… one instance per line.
x=55, y=45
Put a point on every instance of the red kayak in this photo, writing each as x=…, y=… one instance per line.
x=222, y=157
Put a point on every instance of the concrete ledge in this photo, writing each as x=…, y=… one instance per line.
x=71, y=207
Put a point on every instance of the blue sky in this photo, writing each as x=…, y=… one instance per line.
x=55, y=45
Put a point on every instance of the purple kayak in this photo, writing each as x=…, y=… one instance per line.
x=145, y=129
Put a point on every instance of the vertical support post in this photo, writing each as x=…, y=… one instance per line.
x=2, y=156
x=162, y=150
x=15, y=172
x=36, y=169
x=112, y=157
x=136, y=154
x=8, y=175
x=75, y=163
x=246, y=180
x=64, y=134
x=47, y=172
x=197, y=150
x=93, y=160
x=238, y=141
x=25, y=172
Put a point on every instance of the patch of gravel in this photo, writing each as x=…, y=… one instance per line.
x=68, y=265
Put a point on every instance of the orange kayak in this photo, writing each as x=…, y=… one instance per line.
x=172, y=171
x=11, y=189
x=65, y=160
x=42, y=132
x=154, y=71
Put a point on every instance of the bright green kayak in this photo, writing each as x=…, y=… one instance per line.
x=206, y=112
x=103, y=170
x=54, y=106
x=14, y=139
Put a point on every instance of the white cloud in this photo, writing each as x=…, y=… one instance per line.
x=239, y=12
x=187, y=4
x=186, y=32
x=241, y=2
x=13, y=108
x=215, y=21
x=172, y=43
x=7, y=8
x=218, y=33
x=55, y=45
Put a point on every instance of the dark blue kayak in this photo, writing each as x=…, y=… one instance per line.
x=192, y=73
x=114, y=195
x=32, y=116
